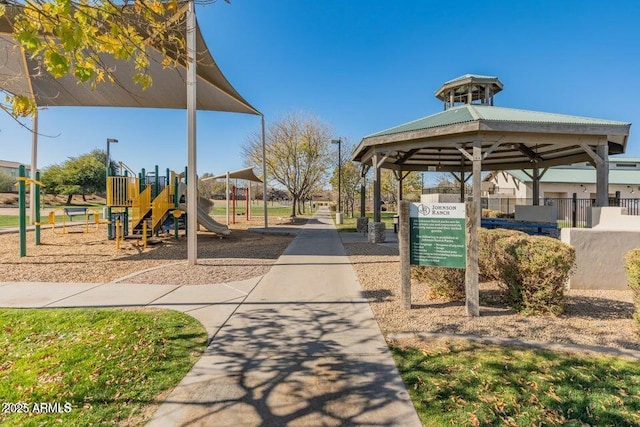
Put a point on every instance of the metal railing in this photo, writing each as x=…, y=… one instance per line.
x=121, y=191
x=572, y=212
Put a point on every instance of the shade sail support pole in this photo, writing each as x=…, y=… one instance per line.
x=264, y=172
x=33, y=168
x=192, y=176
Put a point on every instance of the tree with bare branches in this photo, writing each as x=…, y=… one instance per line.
x=297, y=150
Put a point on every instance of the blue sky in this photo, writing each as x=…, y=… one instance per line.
x=363, y=66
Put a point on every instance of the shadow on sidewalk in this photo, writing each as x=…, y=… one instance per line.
x=301, y=365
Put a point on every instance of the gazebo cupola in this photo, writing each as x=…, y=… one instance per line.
x=469, y=89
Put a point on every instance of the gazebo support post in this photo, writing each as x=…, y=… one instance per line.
x=474, y=211
x=376, y=189
x=363, y=198
x=400, y=179
x=363, y=189
x=536, y=184
x=602, y=175
x=462, y=180
x=601, y=159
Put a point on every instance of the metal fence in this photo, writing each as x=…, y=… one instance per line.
x=572, y=212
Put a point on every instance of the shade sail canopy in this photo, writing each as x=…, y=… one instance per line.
x=22, y=75
x=246, y=174
x=510, y=139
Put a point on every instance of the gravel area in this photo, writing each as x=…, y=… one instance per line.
x=80, y=257
x=594, y=318
x=600, y=318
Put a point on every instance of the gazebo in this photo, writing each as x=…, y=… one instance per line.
x=472, y=135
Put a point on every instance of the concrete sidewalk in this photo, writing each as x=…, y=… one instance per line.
x=298, y=346
x=302, y=349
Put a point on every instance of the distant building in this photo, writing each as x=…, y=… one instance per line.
x=562, y=181
x=12, y=168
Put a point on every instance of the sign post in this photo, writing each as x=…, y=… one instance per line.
x=431, y=234
x=437, y=234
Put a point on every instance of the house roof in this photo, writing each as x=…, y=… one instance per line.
x=10, y=164
x=583, y=174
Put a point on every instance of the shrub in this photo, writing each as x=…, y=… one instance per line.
x=444, y=283
x=487, y=262
x=490, y=213
x=534, y=270
x=632, y=268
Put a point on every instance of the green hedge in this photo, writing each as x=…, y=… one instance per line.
x=534, y=270
x=632, y=267
x=444, y=283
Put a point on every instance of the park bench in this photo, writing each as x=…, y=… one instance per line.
x=71, y=212
x=539, y=228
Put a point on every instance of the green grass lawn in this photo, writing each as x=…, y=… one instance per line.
x=476, y=385
x=14, y=220
x=99, y=366
x=219, y=209
x=349, y=224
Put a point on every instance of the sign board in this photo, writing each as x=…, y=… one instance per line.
x=437, y=234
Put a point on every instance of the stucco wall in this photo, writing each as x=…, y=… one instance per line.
x=536, y=213
x=599, y=256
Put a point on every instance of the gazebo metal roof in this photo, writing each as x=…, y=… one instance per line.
x=513, y=138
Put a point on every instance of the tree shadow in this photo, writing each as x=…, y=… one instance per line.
x=598, y=308
x=308, y=364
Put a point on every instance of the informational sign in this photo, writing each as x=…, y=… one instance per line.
x=437, y=234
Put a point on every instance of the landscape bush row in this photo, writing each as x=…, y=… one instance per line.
x=632, y=267
x=531, y=270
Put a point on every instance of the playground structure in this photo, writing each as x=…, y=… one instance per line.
x=91, y=217
x=145, y=205
x=22, y=207
x=232, y=191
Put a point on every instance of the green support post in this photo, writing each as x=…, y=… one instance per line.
x=143, y=180
x=37, y=208
x=157, y=183
x=22, y=208
x=186, y=226
x=109, y=228
x=167, y=178
x=175, y=204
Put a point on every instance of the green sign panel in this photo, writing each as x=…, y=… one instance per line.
x=437, y=234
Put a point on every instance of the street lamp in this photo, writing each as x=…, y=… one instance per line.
x=339, y=212
x=109, y=142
